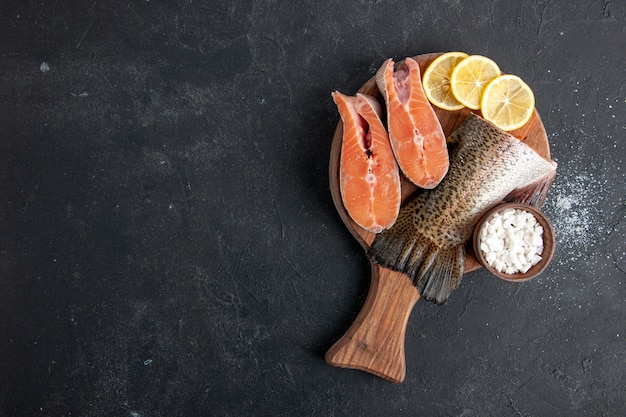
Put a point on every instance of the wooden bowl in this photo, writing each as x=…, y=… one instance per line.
x=548, y=242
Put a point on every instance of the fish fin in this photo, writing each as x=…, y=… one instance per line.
x=396, y=251
x=535, y=193
x=398, y=248
x=435, y=271
x=441, y=273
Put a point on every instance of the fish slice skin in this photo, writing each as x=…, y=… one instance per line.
x=416, y=135
x=369, y=177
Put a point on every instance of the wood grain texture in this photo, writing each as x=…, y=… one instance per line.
x=375, y=341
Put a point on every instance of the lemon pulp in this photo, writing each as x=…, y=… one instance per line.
x=436, y=81
x=508, y=102
x=470, y=76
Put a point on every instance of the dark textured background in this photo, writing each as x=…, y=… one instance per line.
x=169, y=247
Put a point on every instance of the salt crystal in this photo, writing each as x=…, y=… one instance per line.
x=511, y=241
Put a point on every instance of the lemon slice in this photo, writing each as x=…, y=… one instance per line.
x=470, y=76
x=507, y=102
x=436, y=81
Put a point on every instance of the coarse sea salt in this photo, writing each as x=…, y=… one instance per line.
x=511, y=241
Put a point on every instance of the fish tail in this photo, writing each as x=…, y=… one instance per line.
x=394, y=253
x=435, y=271
x=421, y=248
x=441, y=273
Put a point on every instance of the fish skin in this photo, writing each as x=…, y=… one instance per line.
x=369, y=177
x=428, y=239
x=416, y=135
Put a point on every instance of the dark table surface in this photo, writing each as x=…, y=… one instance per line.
x=168, y=242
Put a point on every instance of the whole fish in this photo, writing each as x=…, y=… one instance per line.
x=427, y=242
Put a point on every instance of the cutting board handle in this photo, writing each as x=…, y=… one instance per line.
x=375, y=341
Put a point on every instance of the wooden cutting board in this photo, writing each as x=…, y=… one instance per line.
x=375, y=341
